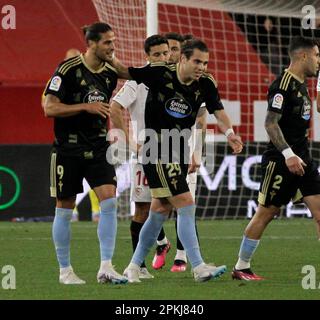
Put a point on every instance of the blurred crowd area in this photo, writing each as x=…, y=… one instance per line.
x=270, y=36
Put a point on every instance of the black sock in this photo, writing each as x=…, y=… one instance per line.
x=135, y=228
x=179, y=244
x=161, y=235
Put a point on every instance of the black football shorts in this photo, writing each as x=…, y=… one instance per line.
x=67, y=173
x=166, y=180
x=279, y=185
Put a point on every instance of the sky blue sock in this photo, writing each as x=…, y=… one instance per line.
x=148, y=236
x=61, y=234
x=247, y=248
x=187, y=234
x=107, y=228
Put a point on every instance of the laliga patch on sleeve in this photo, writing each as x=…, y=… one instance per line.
x=55, y=83
x=277, y=101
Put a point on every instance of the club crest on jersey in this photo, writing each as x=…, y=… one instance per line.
x=138, y=191
x=277, y=101
x=306, y=109
x=55, y=83
x=178, y=108
x=95, y=96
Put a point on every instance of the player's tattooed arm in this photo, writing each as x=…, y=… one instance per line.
x=293, y=162
x=274, y=132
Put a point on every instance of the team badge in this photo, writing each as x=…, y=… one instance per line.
x=138, y=191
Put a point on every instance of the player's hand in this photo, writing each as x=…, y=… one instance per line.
x=194, y=165
x=295, y=165
x=111, y=58
x=235, y=143
x=100, y=108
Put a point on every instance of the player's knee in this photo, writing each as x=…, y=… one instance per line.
x=141, y=212
x=140, y=217
x=317, y=218
x=161, y=206
x=166, y=209
x=105, y=192
x=265, y=214
x=68, y=203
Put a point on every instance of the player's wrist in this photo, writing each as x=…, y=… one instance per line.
x=288, y=153
x=85, y=106
x=229, y=132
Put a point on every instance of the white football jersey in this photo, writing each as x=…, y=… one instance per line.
x=133, y=96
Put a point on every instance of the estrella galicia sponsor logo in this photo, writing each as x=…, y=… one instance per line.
x=178, y=108
x=306, y=109
x=95, y=96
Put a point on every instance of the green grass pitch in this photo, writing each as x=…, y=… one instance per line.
x=286, y=247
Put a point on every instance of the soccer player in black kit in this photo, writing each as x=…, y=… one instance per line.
x=176, y=93
x=288, y=171
x=77, y=98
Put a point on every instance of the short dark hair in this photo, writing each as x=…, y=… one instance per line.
x=301, y=43
x=189, y=46
x=188, y=36
x=93, y=31
x=154, y=40
x=174, y=36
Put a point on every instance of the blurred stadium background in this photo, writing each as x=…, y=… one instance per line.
x=248, y=46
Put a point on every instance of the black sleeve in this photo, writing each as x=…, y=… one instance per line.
x=57, y=85
x=211, y=94
x=150, y=74
x=277, y=99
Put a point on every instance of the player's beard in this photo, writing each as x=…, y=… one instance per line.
x=105, y=57
x=312, y=74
